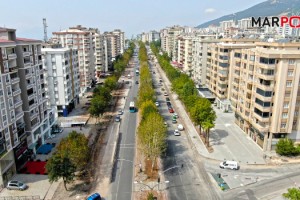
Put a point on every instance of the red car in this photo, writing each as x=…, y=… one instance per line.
x=171, y=110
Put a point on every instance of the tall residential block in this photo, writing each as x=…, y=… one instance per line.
x=115, y=44
x=80, y=38
x=266, y=92
x=219, y=68
x=25, y=121
x=62, y=78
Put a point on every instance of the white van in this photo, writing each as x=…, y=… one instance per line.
x=229, y=165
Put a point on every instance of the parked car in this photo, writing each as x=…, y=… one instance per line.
x=180, y=127
x=166, y=94
x=175, y=115
x=165, y=124
x=167, y=99
x=136, y=82
x=16, y=185
x=157, y=103
x=174, y=121
x=229, y=165
x=171, y=110
x=118, y=118
x=120, y=112
x=176, y=133
x=95, y=196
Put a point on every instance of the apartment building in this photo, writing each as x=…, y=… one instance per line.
x=151, y=36
x=169, y=38
x=183, y=53
x=115, y=43
x=200, y=45
x=80, y=38
x=62, y=79
x=100, y=52
x=219, y=68
x=266, y=92
x=25, y=120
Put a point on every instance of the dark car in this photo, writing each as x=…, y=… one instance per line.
x=169, y=104
x=136, y=82
x=118, y=118
x=167, y=99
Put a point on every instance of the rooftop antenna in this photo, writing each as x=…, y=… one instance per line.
x=45, y=30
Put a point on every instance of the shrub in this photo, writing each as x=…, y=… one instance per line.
x=285, y=147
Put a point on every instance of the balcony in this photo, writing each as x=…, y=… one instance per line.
x=16, y=91
x=12, y=56
x=19, y=115
x=27, y=64
x=18, y=103
x=261, y=118
x=27, y=53
x=265, y=76
x=32, y=106
x=13, y=69
x=15, y=80
x=265, y=87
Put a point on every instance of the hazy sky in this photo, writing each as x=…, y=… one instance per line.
x=132, y=16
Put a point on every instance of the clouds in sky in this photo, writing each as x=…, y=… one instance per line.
x=209, y=10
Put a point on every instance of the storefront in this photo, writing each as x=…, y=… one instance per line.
x=21, y=153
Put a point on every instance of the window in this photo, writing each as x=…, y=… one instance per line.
x=286, y=105
x=291, y=62
x=283, y=125
x=289, y=84
x=252, y=58
x=296, y=113
x=284, y=115
x=290, y=73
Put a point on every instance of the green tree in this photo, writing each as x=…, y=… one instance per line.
x=111, y=83
x=207, y=125
x=98, y=106
x=60, y=167
x=152, y=136
x=148, y=107
x=76, y=147
x=292, y=194
x=285, y=147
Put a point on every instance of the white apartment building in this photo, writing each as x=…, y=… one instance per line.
x=200, y=45
x=62, y=78
x=82, y=39
x=244, y=23
x=100, y=52
x=227, y=24
x=183, y=53
x=25, y=120
x=169, y=39
x=115, y=44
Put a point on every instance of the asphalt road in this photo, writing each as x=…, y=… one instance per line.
x=123, y=169
x=190, y=182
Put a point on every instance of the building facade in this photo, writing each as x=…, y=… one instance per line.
x=80, y=38
x=62, y=79
x=25, y=120
x=266, y=92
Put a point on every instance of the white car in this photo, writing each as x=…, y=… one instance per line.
x=180, y=127
x=157, y=103
x=165, y=94
x=176, y=133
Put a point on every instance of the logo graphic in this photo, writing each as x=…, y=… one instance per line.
x=292, y=21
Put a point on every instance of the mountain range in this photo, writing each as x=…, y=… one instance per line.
x=266, y=8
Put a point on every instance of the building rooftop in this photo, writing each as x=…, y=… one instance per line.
x=205, y=93
x=6, y=41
